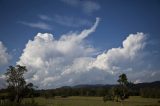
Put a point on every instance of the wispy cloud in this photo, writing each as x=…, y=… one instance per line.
x=86, y=6
x=40, y=25
x=71, y=21
x=44, y=17
x=71, y=2
x=90, y=6
x=68, y=21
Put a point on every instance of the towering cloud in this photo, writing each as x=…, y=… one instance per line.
x=47, y=58
x=70, y=61
x=115, y=58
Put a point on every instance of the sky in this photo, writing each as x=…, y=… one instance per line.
x=71, y=42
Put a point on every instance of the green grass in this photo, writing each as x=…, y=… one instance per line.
x=95, y=101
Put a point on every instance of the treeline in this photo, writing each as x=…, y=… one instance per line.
x=150, y=92
x=146, y=90
x=69, y=91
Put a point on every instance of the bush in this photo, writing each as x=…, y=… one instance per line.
x=64, y=96
x=108, y=98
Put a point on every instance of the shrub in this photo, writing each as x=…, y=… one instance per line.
x=108, y=98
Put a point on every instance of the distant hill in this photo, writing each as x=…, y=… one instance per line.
x=136, y=86
x=91, y=86
x=155, y=84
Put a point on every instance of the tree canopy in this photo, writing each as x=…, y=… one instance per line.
x=17, y=85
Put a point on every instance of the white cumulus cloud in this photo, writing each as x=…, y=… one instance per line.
x=69, y=60
x=115, y=58
x=47, y=58
x=4, y=56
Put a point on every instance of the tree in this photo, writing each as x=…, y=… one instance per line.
x=116, y=92
x=122, y=88
x=16, y=82
x=123, y=81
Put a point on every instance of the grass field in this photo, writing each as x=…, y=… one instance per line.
x=95, y=101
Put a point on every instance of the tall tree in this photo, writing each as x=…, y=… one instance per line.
x=123, y=81
x=16, y=81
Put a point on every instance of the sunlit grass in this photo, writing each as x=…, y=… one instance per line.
x=94, y=101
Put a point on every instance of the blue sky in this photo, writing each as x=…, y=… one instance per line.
x=21, y=20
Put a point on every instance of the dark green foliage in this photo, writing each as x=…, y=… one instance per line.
x=17, y=87
x=108, y=98
x=48, y=94
x=121, y=91
x=123, y=80
x=150, y=92
x=68, y=91
x=16, y=82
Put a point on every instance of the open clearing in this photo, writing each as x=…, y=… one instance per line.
x=95, y=101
